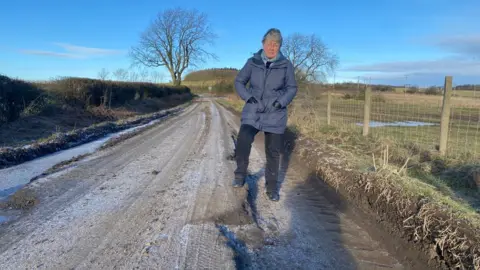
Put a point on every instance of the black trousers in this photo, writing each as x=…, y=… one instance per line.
x=273, y=150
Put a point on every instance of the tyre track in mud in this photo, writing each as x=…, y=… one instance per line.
x=137, y=231
x=107, y=236
x=62, y=189
x=192, y=242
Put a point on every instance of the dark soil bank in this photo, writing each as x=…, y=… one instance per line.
x=61, y=141
x=423, y=232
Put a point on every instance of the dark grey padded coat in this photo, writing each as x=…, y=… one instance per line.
x=266, y=85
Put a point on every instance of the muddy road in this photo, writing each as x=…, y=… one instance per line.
x=163, y=200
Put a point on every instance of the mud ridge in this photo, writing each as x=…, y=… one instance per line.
x=60, y=166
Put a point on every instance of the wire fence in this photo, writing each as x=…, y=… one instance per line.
x=408, y=118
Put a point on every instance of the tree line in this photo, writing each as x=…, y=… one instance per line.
x=123, y=74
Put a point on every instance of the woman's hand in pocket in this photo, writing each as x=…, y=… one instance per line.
x=277, y=105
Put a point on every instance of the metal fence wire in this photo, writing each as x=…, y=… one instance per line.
x=403, y=117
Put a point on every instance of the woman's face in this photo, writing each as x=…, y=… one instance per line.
x=271, y=48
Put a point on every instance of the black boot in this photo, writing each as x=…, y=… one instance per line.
x=274, y=196
x=238, y=181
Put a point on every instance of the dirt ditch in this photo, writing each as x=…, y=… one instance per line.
x=420, y=233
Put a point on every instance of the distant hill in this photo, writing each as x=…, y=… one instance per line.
x=212, y=74
x=221, y=80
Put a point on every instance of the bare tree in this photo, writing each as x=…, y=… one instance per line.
x=103, y=74
x=154, y=76
x=157, y=76
x=311, y=58
x=121, y=74
x=175, y=39
x=144, y=75
x=133, y=76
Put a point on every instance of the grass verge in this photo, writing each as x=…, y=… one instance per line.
x=22, y=199
x=409, y=192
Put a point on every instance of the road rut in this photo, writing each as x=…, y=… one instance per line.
x=163, y=200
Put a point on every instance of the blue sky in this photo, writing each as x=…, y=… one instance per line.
x=381, y=40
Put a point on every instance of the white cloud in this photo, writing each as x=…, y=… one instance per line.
x=74, y=51
x=462, y=58
x=466, y=45
x=50, y=53
x=447, y=65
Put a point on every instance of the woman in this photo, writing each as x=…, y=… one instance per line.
x=272, y=87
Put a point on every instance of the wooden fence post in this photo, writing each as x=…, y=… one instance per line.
x=445, y=119
x=366, y=110
x=329, y=108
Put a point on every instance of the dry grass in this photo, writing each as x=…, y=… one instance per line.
x=457, y=92
x=22, y=199
x=419, y=99
x=464, y=127
x=234, y=101
x=204, y=83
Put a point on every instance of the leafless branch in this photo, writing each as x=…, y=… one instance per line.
x=144, y=75
x=133, y=76
x=121, y=74
x=311, y=58
x=157, y=76
x=103, y=74
x=176, y=40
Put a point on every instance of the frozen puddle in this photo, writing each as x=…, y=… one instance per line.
x=3, y=219
x=398, y=124
x=14, y=178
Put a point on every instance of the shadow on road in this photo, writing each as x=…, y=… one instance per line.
x=314, y=238
x=252, y=194
x=289, y=146
x=241, y=256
